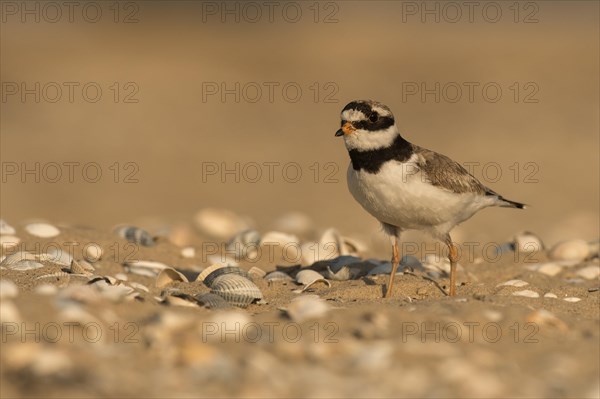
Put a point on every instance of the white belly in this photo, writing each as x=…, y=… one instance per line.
x=399, y=195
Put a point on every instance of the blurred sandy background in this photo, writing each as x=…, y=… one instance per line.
x=372, y=51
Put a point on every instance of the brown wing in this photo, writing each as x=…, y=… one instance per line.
x=444, y=172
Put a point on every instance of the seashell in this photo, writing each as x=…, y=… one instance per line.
x=514, y=283
x=306, y=307
x=43, y=230
x=527, y=242
x=103, y=280
x=17, y=257
x=549, y=269
x=174, y=296
x=219, y=223
x=294, y=223
x=59, y=257
x=121, y=277
x=6, y=229
x=138, y=286
x=8, y=289
x=9, y=313
x=188, y=252
x=244, y=244
x=550, y=295
x=212, y=301
x=114, y=293
x=7, y=242
x=81, y=268
x=135, y=235
x=256, y=272
x=278, y=276
x=526, y=293
x=235, y=289
x=167, y=276
x=144, y=267
x=574, y=250
x=57, y=276
x=23, y=265
x=572, y=299
x=208, y=271
x=308, y=278
x=281, y=241
x=46, y=289
x=591, y=272
x=210, y=278
x=342, y=274
x=93, y=252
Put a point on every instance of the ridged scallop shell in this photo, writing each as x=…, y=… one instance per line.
x=135, y=235
x=212, y=301
x=235, y=289
x=208, y=271
x=19, y=256
x=209, y=280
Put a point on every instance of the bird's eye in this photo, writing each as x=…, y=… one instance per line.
x=373, y=117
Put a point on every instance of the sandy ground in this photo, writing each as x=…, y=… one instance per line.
x=179, y=127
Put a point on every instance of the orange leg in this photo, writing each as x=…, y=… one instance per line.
x=395, y=262
x=453, y=257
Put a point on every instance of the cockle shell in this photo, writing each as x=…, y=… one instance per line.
x=236, y=289
x=169, y=275
x=278, y=276
x=212, y=301
x=135, y=235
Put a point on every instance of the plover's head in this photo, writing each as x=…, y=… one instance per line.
x=367, y=125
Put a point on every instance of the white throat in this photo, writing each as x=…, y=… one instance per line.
x=364, y=140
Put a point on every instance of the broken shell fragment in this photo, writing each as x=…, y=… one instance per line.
x=308, y=278
x=144, y=267
x=81, y=267
x=306, y=307
x=278, y=276
x=256, y=272
x=167, y=276
x=135, y=235
x=24, y=265
x=236, y=289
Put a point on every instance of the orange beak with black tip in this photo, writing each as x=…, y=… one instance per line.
x=346, y=129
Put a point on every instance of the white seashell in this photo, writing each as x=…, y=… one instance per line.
x=236, y=289
x=46, y=289
x=306, y=307
x=591, y=272
x=550, y=295
x=528, y=243
x=256, y=272
x=144, y=267
x=17, y=257
x=23, y=265
x=9, y=313
x=168, y=276
x=43, y=230
x=7, y=242
x=493, y=315
x=81, y=268
x=188, y=252
x=278, y=276
x=6, y=229
x=219, y=223
x=294, y=223
x=93, y=252
x=526, y=293
x=121, y=277
x=549, y=269
x=138, y=286
x=135, y=235
x=343, y=274
x=308, y=277
x=572, y=299
x=575, y=250
x=8, y=289
x=244, y=244
x=59, y=257
x=514, y=283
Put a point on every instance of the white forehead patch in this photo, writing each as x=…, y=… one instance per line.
x=363, y=140
x=381, y=111
x=353, y=115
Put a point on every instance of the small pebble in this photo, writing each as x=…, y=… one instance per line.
x=571, y=299
x=93, y=252
x=188, y=252
x=514, y=283
x=549, y=269
x=590, y=272
x=8, y=289
x=43, y=230
x=527, y=293
x=550, y=295
x=576, y=250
